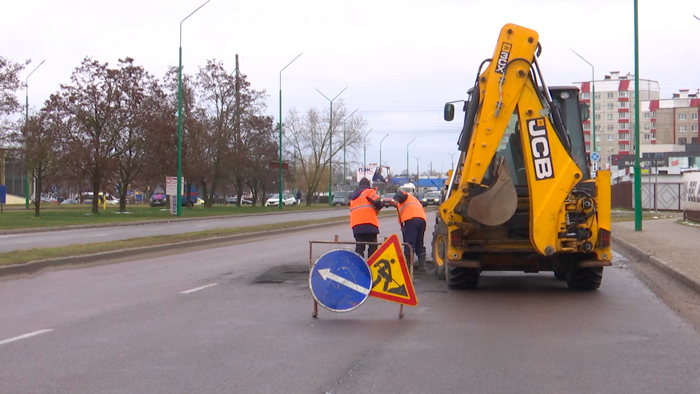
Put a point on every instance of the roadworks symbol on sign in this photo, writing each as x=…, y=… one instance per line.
x=390, y=278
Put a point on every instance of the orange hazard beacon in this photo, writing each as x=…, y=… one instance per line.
x=391, y=280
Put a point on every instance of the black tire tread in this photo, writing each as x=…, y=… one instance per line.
x=588, y=278
x=461, y=278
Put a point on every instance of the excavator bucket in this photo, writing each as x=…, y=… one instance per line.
x=496, y=205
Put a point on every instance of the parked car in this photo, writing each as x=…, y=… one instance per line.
x=341, y=198
x=69, y=201
x=287, y=199
x=388, y=200
x=431, y=198
x=49, y=199
x=158, y=200
x=234, y=200
x=199, y=201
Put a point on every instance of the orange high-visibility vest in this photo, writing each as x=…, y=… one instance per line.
x=410, y=209
x=362, y=211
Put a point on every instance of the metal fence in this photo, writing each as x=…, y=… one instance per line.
x=655, y=196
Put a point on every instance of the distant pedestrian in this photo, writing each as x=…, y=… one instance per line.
x=412, y=219
x=298, y=196
x=365, y=203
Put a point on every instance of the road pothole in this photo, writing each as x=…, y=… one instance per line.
x=287, y=273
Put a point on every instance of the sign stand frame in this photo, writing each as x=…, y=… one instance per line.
x=336, y=241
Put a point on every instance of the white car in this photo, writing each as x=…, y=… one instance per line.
x=287, y=199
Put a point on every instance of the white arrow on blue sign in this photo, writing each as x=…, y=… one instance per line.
x=595, y=156
x=340, y=280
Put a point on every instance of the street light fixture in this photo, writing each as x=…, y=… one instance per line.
x=346, y=118
x=26, y=121
x=280, y=183
x=408, y=173
x=179, y=118
x=592, y=99
x=330, y=146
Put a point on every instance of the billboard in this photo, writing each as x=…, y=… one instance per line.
x=374, y=173
x=365, y=172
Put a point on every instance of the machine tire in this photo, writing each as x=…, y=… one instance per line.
x=560, y=273
x=460, y=278
x=439, y=245
x=588, y=278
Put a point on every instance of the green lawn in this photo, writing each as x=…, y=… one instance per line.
x=52, y=215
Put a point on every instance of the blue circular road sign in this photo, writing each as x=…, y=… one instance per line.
x=340, y=280
x=595, y=156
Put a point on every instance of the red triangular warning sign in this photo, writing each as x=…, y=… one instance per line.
x=390, y=278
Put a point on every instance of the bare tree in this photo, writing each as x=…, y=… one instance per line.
x=94, y=105
x=9, y=84
x=42, y=143
x=308, y=140
x=142, y=102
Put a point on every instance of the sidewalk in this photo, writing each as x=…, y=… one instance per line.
x=673, y=247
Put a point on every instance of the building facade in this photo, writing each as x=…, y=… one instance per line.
x=614, y=114
x=674, y=120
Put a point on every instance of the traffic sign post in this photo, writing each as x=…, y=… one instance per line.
x=595, y=158
x=340, y=280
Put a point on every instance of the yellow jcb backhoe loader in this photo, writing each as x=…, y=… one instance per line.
x=521, y=197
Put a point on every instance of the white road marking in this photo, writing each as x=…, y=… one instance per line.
x=97, y=235
x=31, y=334
x=326, y=274
x=198, y=288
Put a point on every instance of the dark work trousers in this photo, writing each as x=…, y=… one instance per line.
x=360, y=248
x=413, y=231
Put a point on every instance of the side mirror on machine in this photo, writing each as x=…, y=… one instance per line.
x=584, y=110
x=449, y=113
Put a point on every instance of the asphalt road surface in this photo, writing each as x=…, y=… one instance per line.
x=237, y=319
x=48, y=239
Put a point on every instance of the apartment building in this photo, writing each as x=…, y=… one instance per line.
x=674, y=120
x=614, y=114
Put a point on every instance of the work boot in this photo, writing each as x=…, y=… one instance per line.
x=421, y=263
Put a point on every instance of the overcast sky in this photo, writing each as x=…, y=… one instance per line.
x=401, y=60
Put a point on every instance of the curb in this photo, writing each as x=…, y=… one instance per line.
x=34, y=267
x=659, y=263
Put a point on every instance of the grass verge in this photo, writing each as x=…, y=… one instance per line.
x=70, y=215
x=25, y=256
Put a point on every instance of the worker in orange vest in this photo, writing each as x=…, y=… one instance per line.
x=412, y=220
x=365, y=203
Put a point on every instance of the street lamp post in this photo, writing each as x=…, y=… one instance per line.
x=26, y=121
x=408, y=173
x=452, y=159
x=346, y=118
x=179, y=118
x=592, y=99
x=330, y=146
x=637, y=167
x=280, y=163
x=417, y=169
x=381, y=185
x=365, y=139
